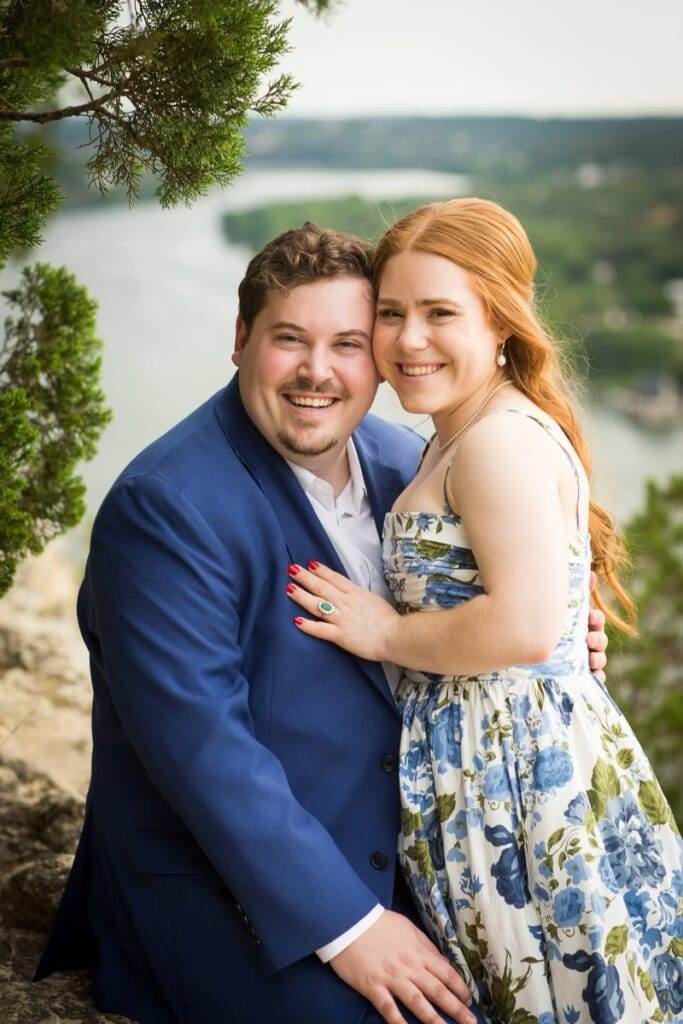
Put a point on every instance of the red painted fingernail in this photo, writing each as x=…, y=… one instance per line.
x=290, y=588
x=313, y=566
x=298, y=620
x=292, y=569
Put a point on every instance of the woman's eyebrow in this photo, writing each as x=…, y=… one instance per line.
x=385, y=300
x=440, y=301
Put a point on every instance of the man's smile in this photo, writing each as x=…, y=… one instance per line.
x=310, y=403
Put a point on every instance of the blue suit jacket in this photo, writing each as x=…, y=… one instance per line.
x=243, y=773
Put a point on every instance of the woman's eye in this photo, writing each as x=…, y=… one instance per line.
x=348, y=344
x=441, y=313
x=387, y=314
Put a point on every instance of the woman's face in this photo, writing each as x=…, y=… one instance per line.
x=433, y=340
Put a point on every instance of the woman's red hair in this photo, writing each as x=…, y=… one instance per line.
x=492, y=246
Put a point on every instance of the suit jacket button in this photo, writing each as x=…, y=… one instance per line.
x=389, y=763
x=379, y=860
x=256, y=942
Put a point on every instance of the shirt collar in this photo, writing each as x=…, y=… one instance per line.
x=350, y=499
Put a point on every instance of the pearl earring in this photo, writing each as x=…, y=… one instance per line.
x=501, y=358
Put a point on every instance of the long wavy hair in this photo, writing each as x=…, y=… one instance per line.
x=491, y=245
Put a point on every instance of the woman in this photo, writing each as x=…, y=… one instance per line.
x=535, y=838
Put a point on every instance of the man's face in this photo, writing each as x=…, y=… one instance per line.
x=307, y=376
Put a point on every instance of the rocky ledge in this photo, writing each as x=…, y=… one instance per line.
x=44, y=765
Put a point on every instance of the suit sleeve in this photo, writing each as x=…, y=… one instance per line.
x=165, y=599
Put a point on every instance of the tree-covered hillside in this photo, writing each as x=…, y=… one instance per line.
x=602, y=201
x=471, y=145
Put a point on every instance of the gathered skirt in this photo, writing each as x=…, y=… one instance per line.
x=540, y=849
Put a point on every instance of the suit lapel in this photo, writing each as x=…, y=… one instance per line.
x=383, y=483
x=304, y=535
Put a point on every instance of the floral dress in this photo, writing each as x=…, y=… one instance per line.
x=535, y=838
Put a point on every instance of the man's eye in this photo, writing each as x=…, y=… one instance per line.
x=287, y=337
x=348, y=344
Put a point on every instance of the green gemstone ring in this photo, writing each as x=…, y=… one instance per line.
x=326, y=607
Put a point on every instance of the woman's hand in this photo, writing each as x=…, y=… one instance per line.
x=361, y=622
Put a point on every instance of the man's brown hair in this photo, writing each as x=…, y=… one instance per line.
x=301, y=256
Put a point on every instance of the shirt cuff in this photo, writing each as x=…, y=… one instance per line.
x=350, y=935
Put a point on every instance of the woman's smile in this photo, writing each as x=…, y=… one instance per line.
x=415, y=370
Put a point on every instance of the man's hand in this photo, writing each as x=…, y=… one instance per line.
x=597, y=638
x=394, y=960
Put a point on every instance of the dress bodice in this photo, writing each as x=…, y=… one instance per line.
x=430, y=565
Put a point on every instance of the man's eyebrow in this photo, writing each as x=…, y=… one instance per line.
x=287, y=324
x=353, y=331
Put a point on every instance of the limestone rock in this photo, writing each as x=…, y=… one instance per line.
x=30, y=894
x=44, y=769
x=44, y=683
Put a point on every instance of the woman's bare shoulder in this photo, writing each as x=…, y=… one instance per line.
x=506, y=432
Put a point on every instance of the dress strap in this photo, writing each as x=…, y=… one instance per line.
x=426, y=448
x=554, y=431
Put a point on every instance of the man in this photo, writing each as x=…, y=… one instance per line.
x=241, y=823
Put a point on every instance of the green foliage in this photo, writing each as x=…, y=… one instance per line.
x=165, y=93
x=17, y=437
x=51, y=410
x=646, y=675
x=363, y=217
x=632, y=350
x=27, y=195
x=606, y=255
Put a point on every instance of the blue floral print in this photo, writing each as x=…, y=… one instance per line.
x=568, y=907
x=577, y=869
x=535, y=839
x=496, y=785
x=510, y=870
x=553, y=768
x=634, y=852
x=603, y=992
x=667, y=977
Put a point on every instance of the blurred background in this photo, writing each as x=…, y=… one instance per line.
x=571, y=115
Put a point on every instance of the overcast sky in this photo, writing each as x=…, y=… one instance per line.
x=585, y=57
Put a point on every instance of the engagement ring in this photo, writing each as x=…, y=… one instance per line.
x=326, y=607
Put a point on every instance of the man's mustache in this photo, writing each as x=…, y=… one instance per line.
x=303, y=384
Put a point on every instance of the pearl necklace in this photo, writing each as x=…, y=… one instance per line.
x=470, y=421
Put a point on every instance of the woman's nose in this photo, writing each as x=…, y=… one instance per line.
x=412, y=336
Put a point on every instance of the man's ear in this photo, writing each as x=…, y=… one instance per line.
x=241, y=337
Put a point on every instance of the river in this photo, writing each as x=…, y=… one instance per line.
x=166, y=283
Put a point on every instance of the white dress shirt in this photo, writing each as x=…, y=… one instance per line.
x=348, y=522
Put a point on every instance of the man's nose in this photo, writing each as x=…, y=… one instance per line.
x=316, y=365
